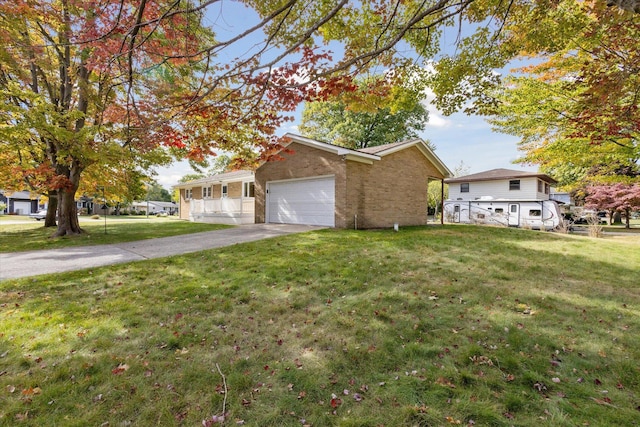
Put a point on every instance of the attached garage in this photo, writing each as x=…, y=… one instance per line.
x=308, y=201
x=314, y=183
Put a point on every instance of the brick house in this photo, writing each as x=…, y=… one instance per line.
x=322, y=184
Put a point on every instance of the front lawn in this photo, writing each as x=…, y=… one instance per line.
x=28, y=236
x=433, y=326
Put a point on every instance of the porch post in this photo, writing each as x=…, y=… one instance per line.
x=441, y=201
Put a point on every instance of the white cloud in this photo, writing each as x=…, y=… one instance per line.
x=436, y=118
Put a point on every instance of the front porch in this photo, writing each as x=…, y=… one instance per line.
x=227, y=210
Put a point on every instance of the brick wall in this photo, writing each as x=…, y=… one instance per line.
x=303, y=162
x=392, y=190
x=234, y=189
x=216, y=192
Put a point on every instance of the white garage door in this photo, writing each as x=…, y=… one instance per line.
x=302, y=201
x=22, y=208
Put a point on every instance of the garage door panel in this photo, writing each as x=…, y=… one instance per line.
x=309, y=201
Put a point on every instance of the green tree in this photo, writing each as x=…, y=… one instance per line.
x=376, y=113
x=157, y=193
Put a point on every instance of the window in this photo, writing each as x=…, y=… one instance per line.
x=546, y=188
x=187, y=194
x=225, y=190
x=514, y=184
x=535, y=212
x=456, y=208
x=464, y=187
x=499, y=210
x=539, y=186
x=514, y=209
x=248, y=189
x=206, y=192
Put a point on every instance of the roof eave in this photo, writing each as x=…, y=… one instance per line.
x=340, y=151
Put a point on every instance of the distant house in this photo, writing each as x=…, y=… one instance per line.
x=226, y=198
x=317, y=183
x=154, y=206
x=503, y=197
x=19, y=202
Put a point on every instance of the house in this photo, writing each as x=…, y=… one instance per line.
x=226, y=198
x=317, y=183
x=19, y=202
x=503, y=197
x=152, y=207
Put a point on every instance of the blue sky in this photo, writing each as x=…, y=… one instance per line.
x=458, y=138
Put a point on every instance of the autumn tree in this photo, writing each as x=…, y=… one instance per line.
x=127, y=83
x=613, y=198
x=576, y=106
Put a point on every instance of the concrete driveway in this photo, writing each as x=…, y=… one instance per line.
x=33, y=263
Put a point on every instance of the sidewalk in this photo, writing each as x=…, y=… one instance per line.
x=33, y=263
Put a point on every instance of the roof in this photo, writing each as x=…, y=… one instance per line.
x=500, y=174
x=221, y=177
x=335, y=149
x=375, y=153
x=380, y=148
x=161, y=204
x=24, y=195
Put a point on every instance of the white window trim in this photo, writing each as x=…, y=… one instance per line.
x=188, y=193
x=206, y=192
x=246, y=186
x=224, y=194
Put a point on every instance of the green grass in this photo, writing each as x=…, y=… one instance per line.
x=430, y=326
x=18, y=236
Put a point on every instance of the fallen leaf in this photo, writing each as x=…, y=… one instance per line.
x=605, y=401
x=31, y=391
x=445, y=382
x=120, y=369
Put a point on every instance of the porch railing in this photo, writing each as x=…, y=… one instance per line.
x=224, y=205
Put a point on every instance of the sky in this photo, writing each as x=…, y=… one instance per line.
x=460, y=140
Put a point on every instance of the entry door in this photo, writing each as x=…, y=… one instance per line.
x=456, y=213
x=514, y=215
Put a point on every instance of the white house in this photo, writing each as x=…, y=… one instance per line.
x=226, y=198
x=502, y=197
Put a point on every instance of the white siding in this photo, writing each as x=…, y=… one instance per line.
x=498, y=189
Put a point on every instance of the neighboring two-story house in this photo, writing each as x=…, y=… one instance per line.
x=502, y=197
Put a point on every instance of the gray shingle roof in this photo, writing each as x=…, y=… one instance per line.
x=496, y=174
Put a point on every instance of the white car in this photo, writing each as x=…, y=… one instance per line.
x=41, y=214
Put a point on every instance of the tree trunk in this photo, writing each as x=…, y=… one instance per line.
x=617, y=218
x=627, y=215
x=68, y=223
x=52, y=209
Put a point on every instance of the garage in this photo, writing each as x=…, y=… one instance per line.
x=21, y=208
x=308, y=201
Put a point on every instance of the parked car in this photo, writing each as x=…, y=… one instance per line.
x=162, y=213
x=41, y=214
